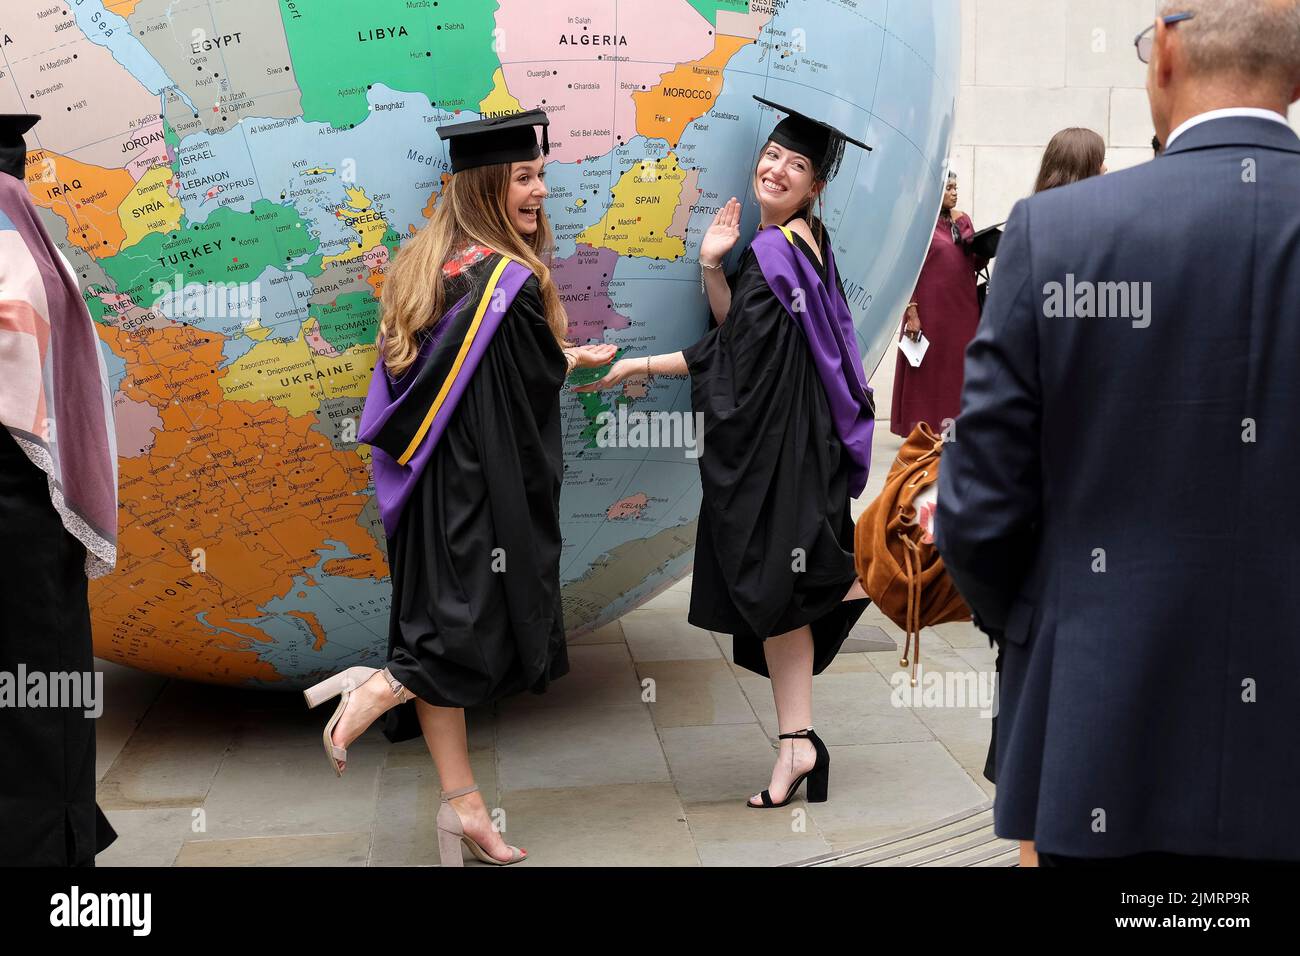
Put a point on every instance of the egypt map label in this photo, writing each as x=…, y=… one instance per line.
x=231, y=182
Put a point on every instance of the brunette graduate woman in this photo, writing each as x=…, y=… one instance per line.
x=787, y=441
x=58, y=527
x=464, y=418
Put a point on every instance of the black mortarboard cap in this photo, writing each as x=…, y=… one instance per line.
x=14, y=125
x=820, y=142
x=498, y=139
x=13, y=149
x=985, y=242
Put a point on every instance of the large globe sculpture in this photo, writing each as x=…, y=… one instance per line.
x=230, y=181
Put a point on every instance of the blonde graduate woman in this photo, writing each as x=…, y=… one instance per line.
x=463, y=415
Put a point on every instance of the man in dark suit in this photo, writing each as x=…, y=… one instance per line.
x=1119, y=506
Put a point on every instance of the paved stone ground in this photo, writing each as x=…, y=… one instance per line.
x=588, y=773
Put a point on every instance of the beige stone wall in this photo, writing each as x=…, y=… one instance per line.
x=1030, y=68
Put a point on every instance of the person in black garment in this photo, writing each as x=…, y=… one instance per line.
x=464, y=419
x=787, y=441
x=58, y=526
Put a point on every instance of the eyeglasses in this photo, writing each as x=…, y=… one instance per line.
x=1146, y=40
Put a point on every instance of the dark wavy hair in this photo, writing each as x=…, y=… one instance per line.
x=1072, y=155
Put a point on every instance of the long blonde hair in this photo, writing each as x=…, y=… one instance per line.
x=472, y=208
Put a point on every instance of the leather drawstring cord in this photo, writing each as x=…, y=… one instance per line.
x=912, y=639
x=912, y=568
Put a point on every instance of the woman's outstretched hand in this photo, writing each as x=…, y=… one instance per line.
x=912, y=322
x=722, y=234
x=619, y=372
x=592, y=356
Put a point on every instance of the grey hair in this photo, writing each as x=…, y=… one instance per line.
x=1259, y=39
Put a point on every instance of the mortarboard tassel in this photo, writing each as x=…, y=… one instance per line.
x=834, y=156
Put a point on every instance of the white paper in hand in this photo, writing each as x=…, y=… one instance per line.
x=914, y=351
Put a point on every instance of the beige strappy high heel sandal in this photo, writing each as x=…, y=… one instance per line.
x=344, y=683
x=451, y=835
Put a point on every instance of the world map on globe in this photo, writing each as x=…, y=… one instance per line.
x=230, y=179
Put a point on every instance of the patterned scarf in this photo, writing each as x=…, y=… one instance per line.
x=54, y=396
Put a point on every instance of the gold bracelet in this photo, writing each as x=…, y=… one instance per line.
x=647, y=368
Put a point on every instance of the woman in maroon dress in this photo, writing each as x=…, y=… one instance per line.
x=945, y=308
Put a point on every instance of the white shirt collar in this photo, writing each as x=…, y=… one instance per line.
x=1223, y=114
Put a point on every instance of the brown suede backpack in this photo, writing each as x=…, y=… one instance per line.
x=897, y=561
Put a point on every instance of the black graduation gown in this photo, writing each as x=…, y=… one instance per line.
x=48, y=814
x=464, y=632
x=775, y=482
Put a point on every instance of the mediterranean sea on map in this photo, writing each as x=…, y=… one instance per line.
x=230, y=179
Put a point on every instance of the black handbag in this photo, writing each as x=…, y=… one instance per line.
x=985, y=245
